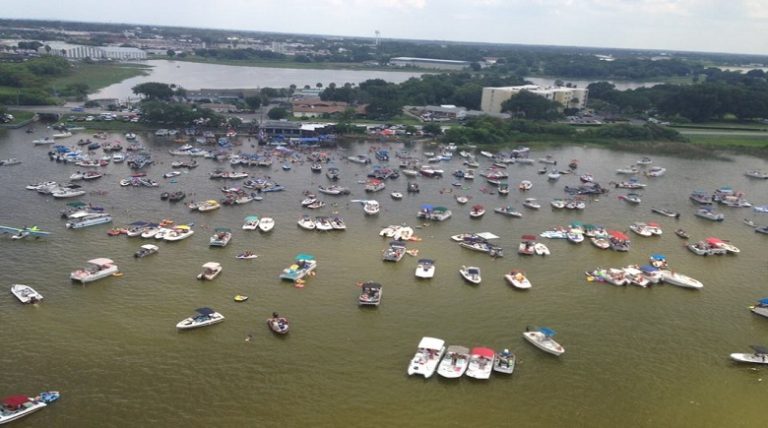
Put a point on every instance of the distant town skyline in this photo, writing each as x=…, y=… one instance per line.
x=736, y=26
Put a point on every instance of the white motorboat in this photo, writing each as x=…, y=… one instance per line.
x=425, y=269
x=454, y=363
x=477, y=211
x=396, y=195
x=531, y=203
x=680, y=280
x=303, y=265
x=371, y=207
x=428, y=212
x=42, y=185
x=176, y=233
x=518, y=279
x=756, y=174
x=208, y=205
x=630, y=170
x=266, y=224
x=481, y=363
x=542, y=339
x=504, y=362
x=427, y=357
x=636, y=277
x=146, y=250
x=306, y=222
x=541, y=249
x=43, y=141
x=656, y=171
x=508, y=211
x=461, y=199
x=641, y=229
x=760, y=356
x=204, y=317
x=220, y=237
x=17, y=406
x=67, y=193
x=558, y=203
x=251, y=222
x=760, y=308
x=338, y=223
x=210, y=271
x=323, y=224
x=89, y=220
x=471, y=274
x=708, y=214
x=602, y=243
x=370, y=294
x=25, y=293
x=95, y=269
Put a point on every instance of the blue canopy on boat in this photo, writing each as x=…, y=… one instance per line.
x=763, y=301
x=304, y=256
x=204, y=311
x=427, y=207
x=658, y=256
x=648, y=268
x=547, y=331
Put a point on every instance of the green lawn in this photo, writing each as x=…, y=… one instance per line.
x=757, y=141
x=98, y=76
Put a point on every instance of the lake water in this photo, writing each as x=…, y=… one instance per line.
x=635, y=357
x=191, y=75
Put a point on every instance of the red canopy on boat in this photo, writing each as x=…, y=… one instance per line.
x=15, y=401
x=712, y=240
x=483, y=352
x=618, y=235
x=528, y=238
x=477, y=207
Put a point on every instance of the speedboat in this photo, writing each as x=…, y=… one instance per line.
x=210, y=271
x=541, y=249
x=251, y=222
x=756, y=174
x=761, y=307
x=306, y=222
x=395, y=252
x=146, y=250
x=525, y=185
x=396, y=195
x=471, y=274
x=221, y=237
x=427, y=357
x=680, y=280
x=25, y=293
x=371, y=207
x=177, y=233
x=477, y=211
x=95, y=269
x=542, y=339
x=558, y=203
x=425, y=269
x=370, y=294
x=334, y=190
x=656, y=171
x=631, y=198
x=303, y=265
x=708, y=214
x=504, y=362
x=481, y=363
x=278, y=324
x=531, y=203
x=338, y=223
x=518, y=279
x=666, y=212
x=323, y=224
x=454, y=363
x=760, y=356
x=246, y=255
x=209, y=205
x=89, y=220
x=17, y=406
x=204, y=317
x=641, y=229
x=508, y=211
x=266, y=224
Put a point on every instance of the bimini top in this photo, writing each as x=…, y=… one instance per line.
x=252, y=218
x=304, y=256
x=101, y=261
x=212, y=265
x=456, y=349
x=15, y=401
x=714, y=241
x=618, y=235
x=649, y=269
x=759, y=349
x=484, y=352
x=205, y=311
x=528, y=238
x=763, y=301
x=658, y=256
x=371, y=286
x=547, y=331
x=431, y=343
x=426, y=262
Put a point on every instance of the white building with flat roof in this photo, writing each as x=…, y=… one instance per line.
x=440, y=64
x=567, y=97
x=94, y=52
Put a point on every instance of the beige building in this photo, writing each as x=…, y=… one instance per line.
x=567, y=97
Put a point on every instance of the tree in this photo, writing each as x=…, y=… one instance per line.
x=154, y=90
x=475, y=66
x=234, y=122
x=253, y=102
x=410, y=130
x=171, y=53
x=432, y=129
x=277, y=113
x=531, y=106
x=318, y=85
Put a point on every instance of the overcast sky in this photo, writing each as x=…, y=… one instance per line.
x=738, y=26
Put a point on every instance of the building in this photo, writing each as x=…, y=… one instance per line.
x=439, y=64
x=315, y=107
x=566, y=97
x=441, y=113
x=93, y=52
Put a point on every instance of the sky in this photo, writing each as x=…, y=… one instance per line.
x=734, y=26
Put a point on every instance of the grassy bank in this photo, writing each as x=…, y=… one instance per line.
x=98, y=76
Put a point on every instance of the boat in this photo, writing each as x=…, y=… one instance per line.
x=425, y=269
x=630, y=170
x=558, y=203
x=542, y=339
x=471, y=274
x=655, y=171
x=208, y=205
x=25, y=293
x=204, y=317
x=641, y=229
x=176, y=233
x=531, y=203
x=67, y=193
x=700, y=197
x=504, y=362
x=541, y=249
x=43, y=141
x=394, y=252
x=246, y=255
x=636, y=277
x=600, y=242
x=338, y=223
x=554, y=176
x=413, y=188
x=334, y=190
x=64, y=134
x=278, y=325
x=370, y=294
x=756, y=174
x=17, y=406
x=508, y=211
x=455, y=362
x=240, y=298
x=266, y=224
x=303, y=265
x=631, y=198
x=332, y=173
x=461, y=199
x=666, y=212
x=428, y=355
x=723, y=245
x=396, y=195
x=251, y=222
x=682, y=233
x=210, y=271
x=760, y=308
x=94, y=270
x=619, y=241
x=146, y=250
x=518, y=279
x=130, y=136
x=644, y=161
x=481, y=362
x=708, y=214
x=220, y=237
x=371, y=207
x=680, y=280
x=306, y=222
x=477, y=211
x=361, y=159
x=760, y=356
x=374, y=185
x=323, y=224
x=526, y=246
